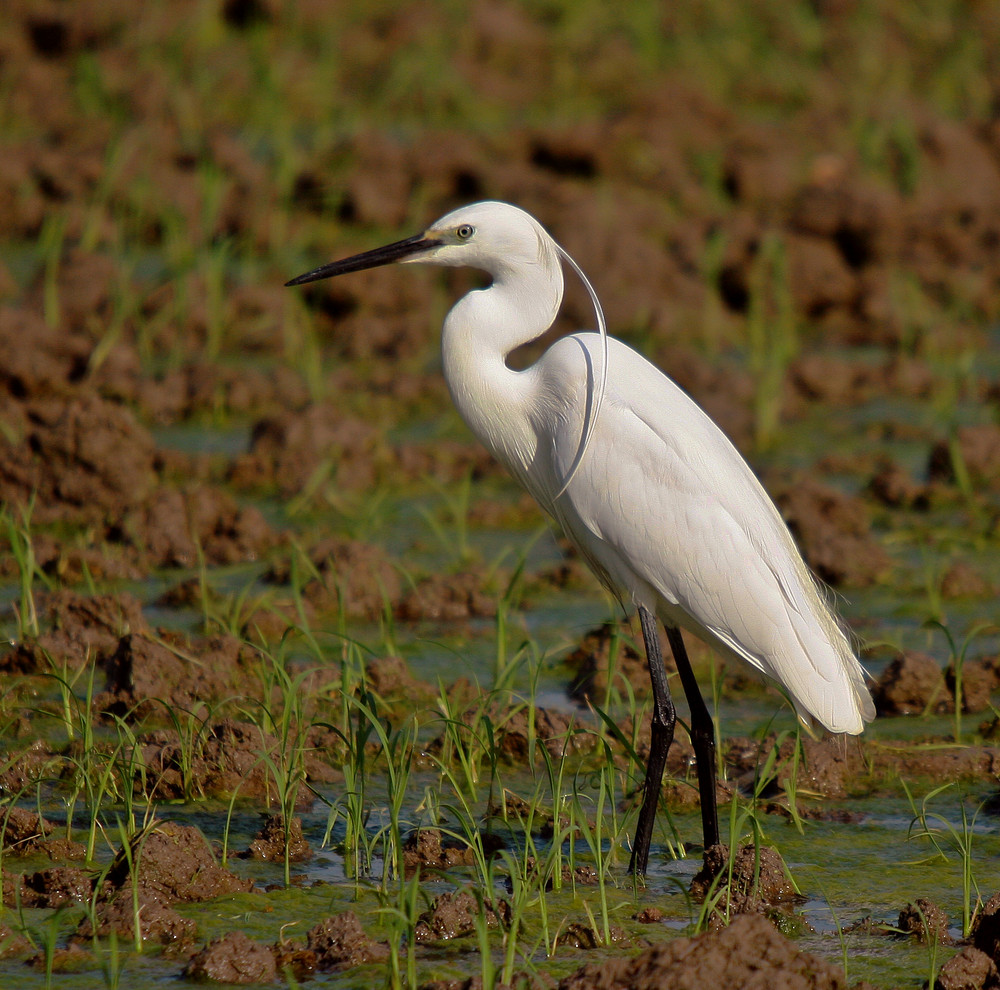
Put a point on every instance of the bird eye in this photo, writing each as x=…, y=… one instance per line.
x=465, y=231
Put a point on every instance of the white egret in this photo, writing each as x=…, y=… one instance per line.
x=656, y=499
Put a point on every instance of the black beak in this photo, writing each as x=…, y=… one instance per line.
x=369, y=259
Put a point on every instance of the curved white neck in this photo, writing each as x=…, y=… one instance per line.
x=478, y=335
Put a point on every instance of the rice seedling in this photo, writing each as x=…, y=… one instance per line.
x=22, y=549
x=772, y=335
x=938, y=830
x=51, y=242
x=400, y=914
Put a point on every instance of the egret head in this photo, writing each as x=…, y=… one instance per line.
x=491, y=236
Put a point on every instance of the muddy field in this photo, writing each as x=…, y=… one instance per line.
x=297, y=685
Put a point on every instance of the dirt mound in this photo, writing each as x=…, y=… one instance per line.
x=973, y=459
x=22, y=832
x=591, y=664
x=51, y=888
x=272, y=841
x=968, y=969
x=749, y=954
x=913, y=683
x=83, y=460
x=174, y=863
x=448, y=598
x=834, y=533
x=343, y=575
x=753, y=883
x=453, y=915
x=158, y=923
x=224, y=758
x=426, y=851
x=340, y=943
x=233, y=958
x=180, y=527
x=147, y=672
x=926, y=921
x=289, y=448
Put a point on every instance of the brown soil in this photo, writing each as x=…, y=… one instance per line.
x=144, y=673
x=233, y=958
x=174, y=863
x=344, y=575
x=834, y=533
x=749, y=953
x=158, y=923
x=425, y=851
x=271, y=842
x=590, y=663
x=579, y=936
x=968, y=969
x=227, y=759
x=448, y=598
x=392, y=680
x=52, y=888
x=754, y=883
x=978, y=449
x=925, y=921
x=453, y=915
x=71, y=959
x=340, y=943
x=911, y=684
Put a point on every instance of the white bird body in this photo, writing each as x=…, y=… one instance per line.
x=662, y=507
x=654, y=496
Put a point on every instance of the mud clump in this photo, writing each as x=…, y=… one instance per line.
x=340, y=943
x=51, y=888
x=227, y=761
x=292, y=957
x=978, y=684
x=833, y=532
x=977, y=453
x=349, y=577
x=424, y=850
x=391, y=679
x=146, y=673
x=453, y=915
x=271, y=843
x=750, y=953
x=759, y=882
x=986, y=928
x=968, y=969
x=12, y=944
x=82, y=629
x=158, y=923
x=555, y=730
x=175, y=864
x=448, y=598
x=289, y=448
x=233, y=958
x=22, y=832
x=180, y=527
x=591, y=663
x=893, y=486
x=925, y=921
x=911, y=684
x=580, y=936
x=71, y=959
x=830, y=765
x=82, y=460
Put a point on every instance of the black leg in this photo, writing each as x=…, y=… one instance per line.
x=702, y=739
x=664, y=718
